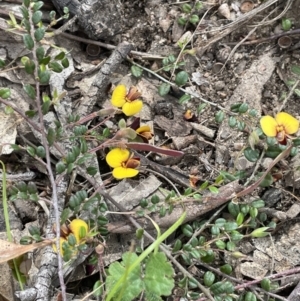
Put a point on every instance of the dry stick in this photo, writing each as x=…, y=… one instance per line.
x=266, y=39
x=234, y=25
x=217, y=271
x=49, y=169
x=241, y=42
x=289, y=95
x=138, y=226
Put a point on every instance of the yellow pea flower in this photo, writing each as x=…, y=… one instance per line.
x=280, y=127
x=123, y=164
x=129, y=102
x=144, y=132
x=79, y=228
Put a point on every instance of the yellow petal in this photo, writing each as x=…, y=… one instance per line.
x=132, y=108
x=119, y=96
x=290, y=123
x=122, y=173
x=117, y=156
x=79, y=228
x=268, y=125
x=143, y=128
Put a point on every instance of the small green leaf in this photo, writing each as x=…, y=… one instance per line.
x=258, y=204
x=221, y=244
x=26, y=3
x=233, y=209
x=40, y=53
x=51, y=136
x=232, y=121
x=2, y=63
x=215, y=230
x=267, y=181
x=213, y=189
x=30, y=91
x=45, y=61
x=25, y=23
x=181, y=21
x=240, y=218
x=39, y=33
x=164, y=89
x=260, y=232
x=98, y=289
x=241, y=125
x=198, y=5
x=187, y=230
x=253, y=212
x=30, y=113
x=186, y=8
x=29, y=66
x=286, y=24
x=251, y=155
x=229, y=226
x=235, y=107
x=60, y=56
x=40, y=151
x=91, y=170
x=294, y=151
x=31, y=151
x=28, y=41
x=83, y=146
x=60, y=167
x=65, y=62
x=84, y=158
x=219, y=117
x=245, y=209
x=266, y=284
x=226, y=269
x=209, y=278
x=253, y=113
x=5, y=93
x=243, y=108
x=66, y=10
x=230, y=246
x=37, y=16
x=136, y=71
x=44, y=76
x=184, y=98
x=250, y=297
x=56, y=67
x=24, y=12
x=181, y=78
x=209, y=256
x=194, y=19
x=219, y=288
x=273, y=151
x=171, y=58
x=37, y=5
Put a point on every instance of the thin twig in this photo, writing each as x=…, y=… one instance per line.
x=48, y=161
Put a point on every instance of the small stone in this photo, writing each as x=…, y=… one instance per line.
x=252, y=270
x=293, y=211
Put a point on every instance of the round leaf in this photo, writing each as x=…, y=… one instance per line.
x=136, y=71
x=37, y=17
x=209, y=278
x=28, y=41
x=181, y=78
x=39, y=34
x=219, y=117
x=251, y=155
x=164, y=89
